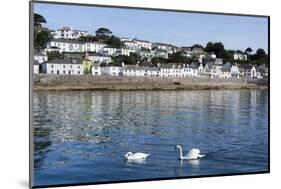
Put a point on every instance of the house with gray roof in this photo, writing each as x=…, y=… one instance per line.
x=63, y=67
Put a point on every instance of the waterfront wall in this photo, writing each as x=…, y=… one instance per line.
x=88, y=82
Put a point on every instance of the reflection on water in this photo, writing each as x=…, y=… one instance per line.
x=82, y=136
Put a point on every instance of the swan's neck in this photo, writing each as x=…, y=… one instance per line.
x=181, y=157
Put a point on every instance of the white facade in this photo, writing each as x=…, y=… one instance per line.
x=100, y=59
x=134, y=72
x=146, y=54
x=161, y=53
x=143, y=44
x=253, y=72
x=234, y=71
x=68, y=33
x=109, y=50
x=94, y=47
x=111, y=70
x=165, y=47
x=239, y=56
x=67, y=45
x=132, y=45
x=226, y=74
x=62, y=67
x=126, y=52
x=96, y=70
x=40, y=58
x=189, y=72
x=36, y=68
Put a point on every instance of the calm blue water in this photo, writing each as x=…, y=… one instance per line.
x=82, y=136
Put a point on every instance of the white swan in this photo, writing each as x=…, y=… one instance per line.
x=192, y=154
x=136, y=156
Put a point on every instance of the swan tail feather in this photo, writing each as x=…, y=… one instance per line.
x=201, y=156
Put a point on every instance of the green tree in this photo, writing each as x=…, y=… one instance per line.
x=114, y=42
x=260, y=53
x=133, y=59
x=177, y=58
x=41, y=39
x=218, y=49
x=248, y=50
x=88, y=38
x=197, y=46
x=103, y=32
x=38, y=20
x=54, y=55
x=156, y=60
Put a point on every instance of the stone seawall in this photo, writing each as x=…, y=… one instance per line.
x=87, y=82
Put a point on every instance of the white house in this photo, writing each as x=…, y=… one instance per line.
x=99, y=58
x=164, y=47
x=143, y=44
x=96, y=70
x=146, y=54
x=109, y=50
x=216, y=71
x=67, y=45
x=132, y=45
x=126, y=51
x=94, y=46
x=186, y=51
x=189, y=72
x=152, y=72
x=132, y=70
x=40, y=58
x=160, y=53
x=234, y=71
x=171, y=70
x=200, y=70
x=239, y=56
x=63, y=67
x=253, y=72
x=111, y=70
x=35, y=67
x=68, y=33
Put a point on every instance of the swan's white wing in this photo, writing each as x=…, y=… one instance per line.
x=193, y=154
x=139, y=156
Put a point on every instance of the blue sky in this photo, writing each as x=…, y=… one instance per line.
x=181, y=29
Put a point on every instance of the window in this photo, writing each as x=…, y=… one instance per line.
x=96, y=73
x=70, y=66
x=58, y=72
x=78, y=67
x=63, y=72
x=63, y=66
x=52, y=71
x=78, y=72
x=52, y=66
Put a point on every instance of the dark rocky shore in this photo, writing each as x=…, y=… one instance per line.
x=88, y=82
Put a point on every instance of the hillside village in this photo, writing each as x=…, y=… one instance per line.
x=77, y=52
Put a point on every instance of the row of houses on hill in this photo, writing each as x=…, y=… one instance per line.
x=72, y=66
x=66, y=40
